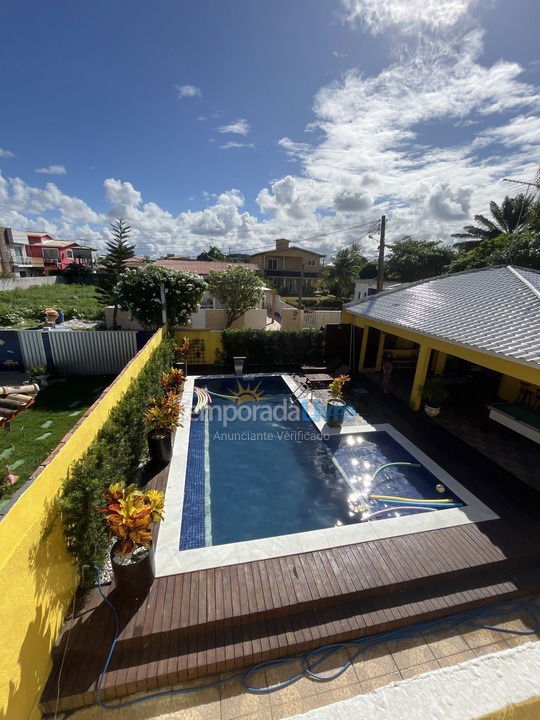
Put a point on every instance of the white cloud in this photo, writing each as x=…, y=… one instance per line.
x=235, y=145
x=187, y=91
x=408, y=16
x=52, y=170
x=350, y=201
x=446, y=203
x=238, y=127
x=6, y=153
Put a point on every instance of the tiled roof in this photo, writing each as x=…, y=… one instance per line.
x=203, y=267
x=495, y=310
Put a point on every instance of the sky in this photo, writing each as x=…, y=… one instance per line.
x=235, y=122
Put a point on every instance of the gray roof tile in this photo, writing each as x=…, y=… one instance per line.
x=495, y=309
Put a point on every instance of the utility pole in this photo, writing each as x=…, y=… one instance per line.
x=301, y=292
x=380, y=265
x=162, y=297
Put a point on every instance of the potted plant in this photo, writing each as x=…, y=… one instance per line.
x=162, y=417
x=335, y=409
x=129, y=513
x=38, y=374
x=173, y=381
x=181, y=351
x=434, y=393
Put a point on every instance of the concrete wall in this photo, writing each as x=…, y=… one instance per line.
x=291, y=319
x=37, y=575
x=123, y=319
x=26, y=282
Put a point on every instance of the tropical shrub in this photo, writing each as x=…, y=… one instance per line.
x=112, y=458
x=434, y=392
x=129, y=513
x=173, y=381
x=337, y=386
x=139, y=291
x=280, y=347
x=163, y=413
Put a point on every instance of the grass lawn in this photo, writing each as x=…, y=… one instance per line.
x=22, y=308
x=38, y=430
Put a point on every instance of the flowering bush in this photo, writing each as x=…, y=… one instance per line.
x=173, y=381
x=129, y=512
x=138, y=291
x=337, y=385
x=163, y=413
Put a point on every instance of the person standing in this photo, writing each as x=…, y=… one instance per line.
x=387, y=373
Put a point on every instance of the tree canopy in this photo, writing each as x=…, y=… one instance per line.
x=510, y=216
x=238, y=289
x=508, y=249
x=417, y=259
x=213, y=253
x=118, y=251
x=138, y=290
x=339, y=277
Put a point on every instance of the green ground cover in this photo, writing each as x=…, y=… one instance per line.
x=37, y=431
x=22, y=308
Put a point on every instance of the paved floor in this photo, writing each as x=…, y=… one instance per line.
x=377, y=667
x=514, y=453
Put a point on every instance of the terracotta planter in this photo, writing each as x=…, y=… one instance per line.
x=431, y=411
x=134, y=579
x=335, y=412
x=159, y=447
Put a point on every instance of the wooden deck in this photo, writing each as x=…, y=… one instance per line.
x=203, y=622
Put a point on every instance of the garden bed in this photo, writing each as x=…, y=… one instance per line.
x=38, y=430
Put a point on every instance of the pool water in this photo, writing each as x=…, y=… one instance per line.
x=269, y=472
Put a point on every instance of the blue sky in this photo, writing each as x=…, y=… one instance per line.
x=233, y=123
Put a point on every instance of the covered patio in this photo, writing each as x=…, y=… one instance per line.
x=461, y=329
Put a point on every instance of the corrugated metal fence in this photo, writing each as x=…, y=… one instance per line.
x=92, y=352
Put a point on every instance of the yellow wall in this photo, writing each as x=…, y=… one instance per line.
x=37, y=576
x=212, y=344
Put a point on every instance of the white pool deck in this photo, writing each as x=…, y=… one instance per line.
x=170, y=560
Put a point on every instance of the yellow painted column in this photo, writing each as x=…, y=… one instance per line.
x=422, y=365
x=363, y=347
x=380, y=352
x=440, y=363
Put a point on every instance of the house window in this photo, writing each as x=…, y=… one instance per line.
x=69, y=253
x=311, y=263
x=271, y=264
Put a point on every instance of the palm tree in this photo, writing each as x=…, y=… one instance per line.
x=341, y=275
x=509, y=217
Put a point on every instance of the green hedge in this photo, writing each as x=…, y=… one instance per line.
x=113, y=457
x=280, y=347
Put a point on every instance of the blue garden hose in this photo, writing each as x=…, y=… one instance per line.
x=312, y=659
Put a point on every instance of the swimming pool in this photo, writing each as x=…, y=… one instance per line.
x=260, y=473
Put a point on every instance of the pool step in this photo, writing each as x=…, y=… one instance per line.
x=159, y=660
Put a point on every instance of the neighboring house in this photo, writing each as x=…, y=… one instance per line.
x=290, y=268
x=365, y=287
x=32, y=254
